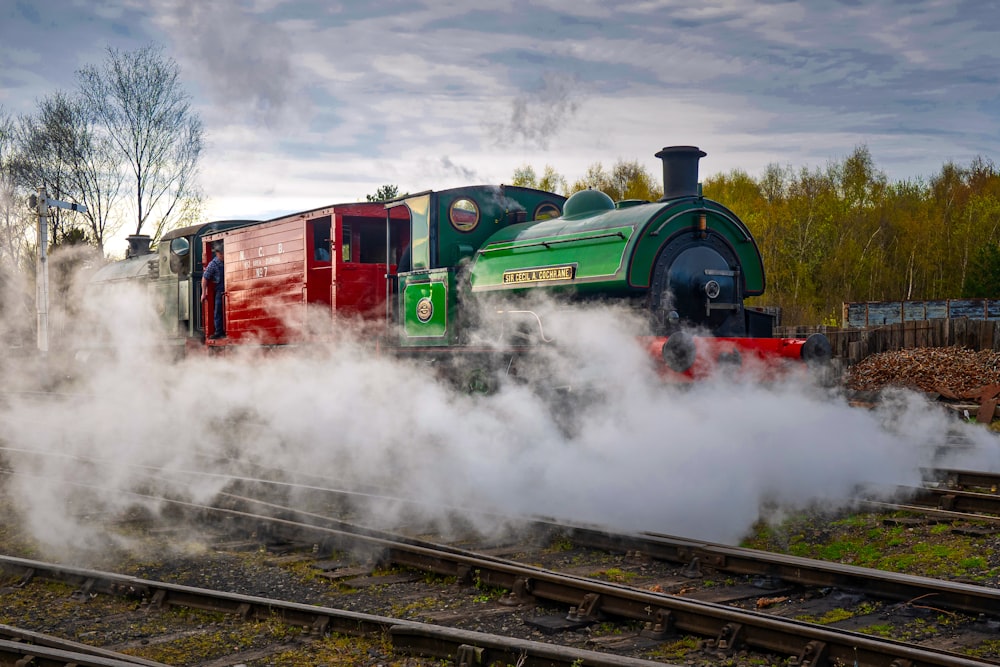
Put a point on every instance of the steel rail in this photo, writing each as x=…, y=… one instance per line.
x=462, y=646
x=662, y=613
x=955, y=596
x=37, y=655
x=29, y=637
x=952, y=500
x=732, y=628
x=960, y=479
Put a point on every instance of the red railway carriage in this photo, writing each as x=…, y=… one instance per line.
x=286, y=277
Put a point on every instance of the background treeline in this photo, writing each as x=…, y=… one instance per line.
x=124, y=143
x=845, y=232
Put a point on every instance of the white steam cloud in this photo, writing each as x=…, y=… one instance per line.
x=619, y=448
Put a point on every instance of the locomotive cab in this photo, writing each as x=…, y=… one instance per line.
x=447, y=228
x=177, y=282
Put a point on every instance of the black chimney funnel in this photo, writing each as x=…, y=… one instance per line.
x=138, y=244
x=680, y=171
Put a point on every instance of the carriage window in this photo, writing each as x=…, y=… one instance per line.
x=321, y=240
x=345, y=243
x=464, y=214
x=372, y=240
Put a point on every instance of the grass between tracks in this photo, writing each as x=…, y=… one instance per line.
x=896, y=543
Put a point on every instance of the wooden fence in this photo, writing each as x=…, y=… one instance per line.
x=851, y=345
x=877, y=313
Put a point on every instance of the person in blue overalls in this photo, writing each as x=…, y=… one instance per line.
x=215, y=272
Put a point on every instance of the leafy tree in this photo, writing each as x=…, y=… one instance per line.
x=384, y=193
x=632, y=181
x=983, y=279
x=596, y=178
x=856, y=252
x=551, y=180
x=908, y=228
x=525, y=177
x=138, y=98
x=626, y=180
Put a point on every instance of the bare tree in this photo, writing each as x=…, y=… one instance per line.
x=16, y=225
x=41, y=158
x=97, y=173
x=62, y=150
x=14, y=216
x=137, y=96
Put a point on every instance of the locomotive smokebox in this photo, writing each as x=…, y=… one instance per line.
x=680, y=171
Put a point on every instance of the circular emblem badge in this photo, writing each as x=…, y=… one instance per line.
x=425, y=309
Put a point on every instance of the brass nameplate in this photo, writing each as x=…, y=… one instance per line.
x=566, y=272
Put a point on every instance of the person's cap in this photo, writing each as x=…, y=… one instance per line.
x=217, y=246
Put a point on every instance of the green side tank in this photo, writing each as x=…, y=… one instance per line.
x=690, y=258
x=446, y=229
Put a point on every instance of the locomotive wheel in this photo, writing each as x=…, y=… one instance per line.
x=679, y=352
x=817, y=349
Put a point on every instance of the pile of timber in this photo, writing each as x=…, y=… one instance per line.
x=967, y=380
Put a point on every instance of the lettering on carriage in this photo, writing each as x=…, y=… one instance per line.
x=543, y=274
x=260, y=264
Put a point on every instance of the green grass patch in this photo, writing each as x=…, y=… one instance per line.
x=615, y=574
x=866, y=540
x=671, y=651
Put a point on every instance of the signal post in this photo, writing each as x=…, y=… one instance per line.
x=41, y=204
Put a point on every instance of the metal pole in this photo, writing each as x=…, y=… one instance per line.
x=388, y=280
x=42, y=277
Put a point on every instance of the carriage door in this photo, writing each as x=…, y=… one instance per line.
x=319, y=268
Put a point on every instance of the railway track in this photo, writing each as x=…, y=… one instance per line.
x=729, y=630
x=407, y=637
x=647, y=615
x=646, y=591
x=947, y=493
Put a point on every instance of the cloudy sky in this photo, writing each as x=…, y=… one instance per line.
x=307, y=103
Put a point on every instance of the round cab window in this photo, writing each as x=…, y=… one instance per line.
x=547, y=210
x=180, y=246
x=464, y=215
